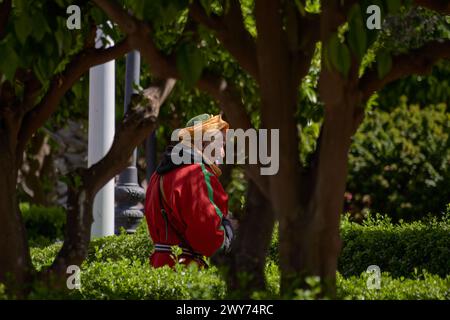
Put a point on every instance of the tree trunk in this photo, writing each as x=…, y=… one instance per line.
x=279, y=78
x=139, y=122
x=37, y=165
x=77, y=234
x=247, y=260
x=319, y=240
x=15, y=261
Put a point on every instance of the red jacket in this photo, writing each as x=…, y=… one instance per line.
x=196, y=203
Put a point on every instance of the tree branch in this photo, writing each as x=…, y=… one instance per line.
x=165, y=67
x=10, y=117
x=440, y=6
x=419, y=61
x=139, y=34
x=116, y=13
x=32, y=87
x=231, y=104
x=308, y=36
x=61, y=83
x=5, y=11
x=333, y=14
x=279, y=80
x=231, y=32
x=137, y=125
x=211, y=21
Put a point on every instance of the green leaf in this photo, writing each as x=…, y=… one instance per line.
x=339, y=55
x=393, y=6
x=59, y=37
x=333, y=47
x=21, y=5
x=38, y=74
x=384, y=63
x=190, y=63
x=43, y=65
x=170, y=10
x=206, y=4
x=357, y=37
x=300, y=7
x=23, y=27
x=9, y=61
x=77, y=90
x=98, y=15
x=40, y=26
x=138, y=8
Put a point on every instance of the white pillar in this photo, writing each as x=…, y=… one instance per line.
x=101, y=135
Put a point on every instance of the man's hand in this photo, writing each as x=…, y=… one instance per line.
x=234, y=222
x=230, y=225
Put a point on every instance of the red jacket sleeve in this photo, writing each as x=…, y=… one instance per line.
x=204, y=203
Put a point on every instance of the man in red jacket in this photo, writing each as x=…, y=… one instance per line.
x=186, y=205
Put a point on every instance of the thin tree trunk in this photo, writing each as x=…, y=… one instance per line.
x=319, y=241
x=77, y=234
x=15, y=261
x=279, y=90
x=248, y=258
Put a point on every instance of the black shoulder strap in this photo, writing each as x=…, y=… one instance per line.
x=163, y=202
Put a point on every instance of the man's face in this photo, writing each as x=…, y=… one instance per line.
x=215, y=149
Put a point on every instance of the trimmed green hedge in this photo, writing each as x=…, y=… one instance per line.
x=128, y=279
x=399, y=248
x=117, y=267
x=2, y=292
x=112, y=248
x=424, y=286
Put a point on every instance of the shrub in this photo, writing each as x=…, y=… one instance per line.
x=2, y=292
x=117, y=267
x=399, y=162
x=137, y=246
x=43, y=257
x=44, y=225
x=127, y=279
x=430, y=89
x=422, y=287
x=396, y=248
